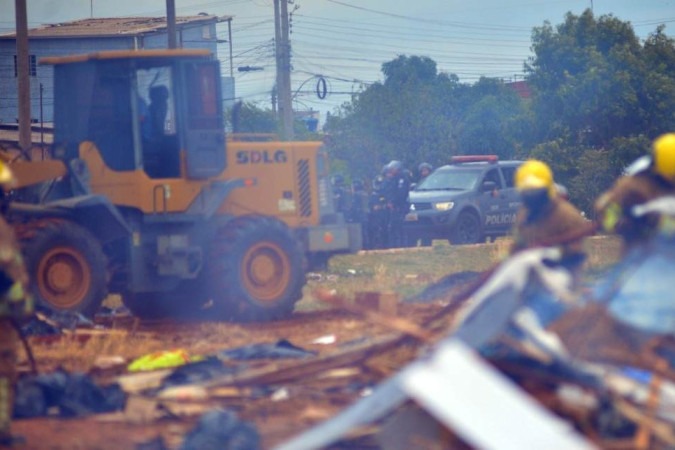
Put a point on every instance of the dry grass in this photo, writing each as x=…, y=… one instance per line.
x=80, y=352
x=411, y=271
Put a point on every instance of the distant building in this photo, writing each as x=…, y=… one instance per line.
x=92, y=35
x=521, y=88
x=310, y=119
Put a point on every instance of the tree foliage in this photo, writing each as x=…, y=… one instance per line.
x=588, y=76
x=418, y=114
x=493, y=120
x=600, y=95
x=248, y=118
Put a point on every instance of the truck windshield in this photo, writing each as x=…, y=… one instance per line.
x=450, y=180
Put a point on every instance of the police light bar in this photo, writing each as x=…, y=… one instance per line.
x=474, y=158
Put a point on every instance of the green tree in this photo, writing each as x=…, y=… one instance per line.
x=659, y=82
x=249, y=118
x=418, y=114
x=405, y=118
x=493, y=120
x=600, y=96
x=587, y=77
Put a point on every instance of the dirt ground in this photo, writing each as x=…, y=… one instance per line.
x=278, y=409
x=281, y=398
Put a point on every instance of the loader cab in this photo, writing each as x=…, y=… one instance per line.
x=158, y=111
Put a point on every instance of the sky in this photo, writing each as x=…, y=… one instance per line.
x=347, y=41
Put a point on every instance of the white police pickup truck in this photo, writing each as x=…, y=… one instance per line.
x=466, y=201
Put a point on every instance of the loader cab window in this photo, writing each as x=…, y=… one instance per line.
x=204, y=125
x=109, y=119
x=156, y=119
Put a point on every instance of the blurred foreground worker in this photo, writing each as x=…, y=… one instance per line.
x=648, y=182
x=545, y=218
x=15, y=305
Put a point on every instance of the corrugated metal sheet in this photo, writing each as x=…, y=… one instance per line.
x=116, y=26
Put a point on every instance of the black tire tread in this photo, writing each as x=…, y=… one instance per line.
x=458, y=239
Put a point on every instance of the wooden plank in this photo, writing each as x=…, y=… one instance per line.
x=392, y=322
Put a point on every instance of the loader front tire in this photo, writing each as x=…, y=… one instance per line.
x=258, y=270
x=66, y=266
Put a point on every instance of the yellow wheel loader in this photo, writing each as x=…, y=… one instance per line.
x=143, y=196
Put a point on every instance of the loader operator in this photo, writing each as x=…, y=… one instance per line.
x=545, y=217
x=161, y=148
x=657, y=179
x=15, y=305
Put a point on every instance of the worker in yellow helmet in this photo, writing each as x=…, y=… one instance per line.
x=649, y=181
x=15, y=305
x=546, y=218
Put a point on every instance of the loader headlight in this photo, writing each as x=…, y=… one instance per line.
x=443, y=206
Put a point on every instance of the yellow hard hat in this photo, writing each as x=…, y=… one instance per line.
x=534, y=174
x=664, y=156
x=7, y=179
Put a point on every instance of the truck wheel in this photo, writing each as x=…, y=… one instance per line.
x=467, y=229
x=258, y=270
x=66, y=266
x=183, y=303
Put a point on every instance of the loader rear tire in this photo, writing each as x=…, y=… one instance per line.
x=66, y=266
x=257, y=270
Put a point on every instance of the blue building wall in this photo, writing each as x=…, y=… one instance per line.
x=41, y=85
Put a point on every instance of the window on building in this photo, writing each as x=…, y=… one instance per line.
x=32, y=66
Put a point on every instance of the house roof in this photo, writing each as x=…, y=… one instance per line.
x=521, y=88
x=113, y=27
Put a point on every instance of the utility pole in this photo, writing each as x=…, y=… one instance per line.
x=277, y=53
x=283, y=58
x=23, y=76
x=171, y=22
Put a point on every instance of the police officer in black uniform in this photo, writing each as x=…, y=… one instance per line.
x=341, y=195
x=378, y=214
x=358, y=213
x=423, y=171
x=395, y=189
